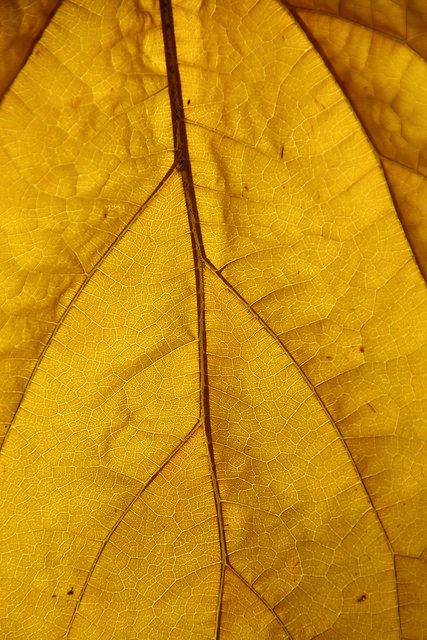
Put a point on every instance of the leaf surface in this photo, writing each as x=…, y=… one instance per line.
x=383, y=72
x=213, y=319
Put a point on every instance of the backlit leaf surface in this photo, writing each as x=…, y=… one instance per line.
x=213, y=317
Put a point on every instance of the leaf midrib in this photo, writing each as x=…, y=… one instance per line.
x=183, y=164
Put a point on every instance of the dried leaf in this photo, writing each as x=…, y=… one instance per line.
x=213, y=320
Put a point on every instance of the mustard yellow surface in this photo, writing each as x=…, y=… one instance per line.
x=377, y=50
x=22, y=24
x=311, y=201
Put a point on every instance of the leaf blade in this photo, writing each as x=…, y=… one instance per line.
x=307, y=535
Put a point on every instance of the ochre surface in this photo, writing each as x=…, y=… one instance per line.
x=212, y=366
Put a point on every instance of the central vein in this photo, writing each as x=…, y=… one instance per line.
x=183, y=164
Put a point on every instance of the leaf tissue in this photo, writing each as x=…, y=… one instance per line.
x=213, y=319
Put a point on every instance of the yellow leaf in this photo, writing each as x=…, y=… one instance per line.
x=385, y=78
x=213, y=220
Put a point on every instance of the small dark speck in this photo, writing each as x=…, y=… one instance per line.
x=328, y=357
x=53, y=595
x=188, y=101
x=246, y=187
x=282, y=151
x=361, y=598
x=104, y=215
x=70, y=592
x=362, y=349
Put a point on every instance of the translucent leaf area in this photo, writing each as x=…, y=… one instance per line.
x=213, y=319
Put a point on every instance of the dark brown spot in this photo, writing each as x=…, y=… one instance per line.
x=362, y=349
x=361, y=598
x=328, y=357
x=53, y=595
x=70, y=592
x=282, y=151
x=188, y=101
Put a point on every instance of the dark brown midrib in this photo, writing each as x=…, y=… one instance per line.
x=183, y=164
